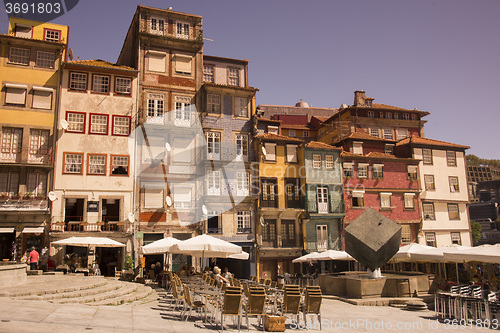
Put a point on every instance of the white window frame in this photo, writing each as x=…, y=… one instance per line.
x=208, y=73
x=155, y=108
x=213, y=182
x=430, y=239
x=242, y=183
x=453, y=212
x=213, y=145
x=348, y=169
x=233, y=77
x=412, y=172
x=157, y=25
x=272, y=129
x=357, y=147
x=329, y=162
x=456, y=238
x=100, y=84
x=96, y=164
x=213, y=103
x=78, y=81
x=409, y=202
x=428, y=211
x=322, y=197
x=316, y=161
x=241, y=107
x=401, y=133
x=292, y=153
x=73, y=163
x=98, y=124
x=119, y=161
x=429, y=182
x=388, y=134
x=243, y=221
x=182, y=29
x=362, y=170
x=45, y=59
x=291, y=133
x=76, y=122
x=123, y=85
x=39, y=146
x=121, y=125
x=52, y=35
x=405, y=233
x=389, y=149
x=322, y=237
x=427, y=156
x=12, y=141
x=371, y=114
x=241, y=145
x=451, y=158
x=19, y=56
x=454, y=187
x=182, y=114
x=385, y=200
x=378, y=171
x=359, y=196
x=374, y=132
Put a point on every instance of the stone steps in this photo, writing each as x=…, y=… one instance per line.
x=106, y=286
x=142, y=294
x=123, y=290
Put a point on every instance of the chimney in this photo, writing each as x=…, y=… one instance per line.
x=359, y=98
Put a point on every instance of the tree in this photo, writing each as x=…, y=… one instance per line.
x=476, y=231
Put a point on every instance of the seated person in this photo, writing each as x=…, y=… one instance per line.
x=219, y=278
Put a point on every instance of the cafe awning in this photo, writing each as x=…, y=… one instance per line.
x=37, y=230
x=6, y=230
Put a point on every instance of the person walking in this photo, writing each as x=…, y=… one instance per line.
x=33, y=259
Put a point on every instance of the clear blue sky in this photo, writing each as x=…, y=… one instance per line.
x=440, y=56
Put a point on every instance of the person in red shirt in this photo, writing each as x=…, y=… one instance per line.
x=33, y=257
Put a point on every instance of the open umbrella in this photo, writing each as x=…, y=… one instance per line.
x=332, y=255
x=241, y=256
x=160, y=246
x=484, y=253
x=206, y=246
x=405, y=252
x=437, y=254
x=305, y=258
x=89, y=241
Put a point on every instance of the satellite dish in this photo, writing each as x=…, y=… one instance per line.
x=64, y=124
x=204, y=210
x=262, y=221
x=167, y=146
x=70, y=53
x=168, y=200
x=52, y=196
x=264, y=151
x=131, y=217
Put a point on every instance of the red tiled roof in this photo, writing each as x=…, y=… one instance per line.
x=376, y=155
x=320, y=145
x=99, y=63
x=430, y=142
x=322, y=119
x=299, y=127
x=277, y=137
x=365, y=136
x=269, y=120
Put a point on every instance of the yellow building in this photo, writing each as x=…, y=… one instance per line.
x=281, y=205
x=30, y=59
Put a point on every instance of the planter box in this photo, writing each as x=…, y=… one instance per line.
x=274, y=323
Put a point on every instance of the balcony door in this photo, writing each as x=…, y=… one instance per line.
x=322, y=237
x=323, y=200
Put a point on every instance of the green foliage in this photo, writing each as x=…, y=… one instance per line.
x=474, y=160
x=129, y=262
x=476, y=231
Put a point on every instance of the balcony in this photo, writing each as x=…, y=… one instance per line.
x=269, y=243
x=319, y=245
x=268, y=201
x=295, y=202
x=225, y=151
x=244, y=230
x=82, y=226
x=288, y=242
x=26, y=155
x=214, y=231
x=15, y=203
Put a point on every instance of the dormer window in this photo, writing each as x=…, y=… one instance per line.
x=157, y=26
x=24, y=31
x=368, y=103
x=52, y=35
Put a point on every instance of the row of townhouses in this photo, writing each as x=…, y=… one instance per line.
x=168, y=141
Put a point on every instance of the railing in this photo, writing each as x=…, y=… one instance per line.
x=23, y=204
x=269, y=243
x=26, y=155
x=170, y=118
x=244, y=230
x=297, y=202
x=78, y=226
x=267, y=202
x=224, y=151
x=288, y=242
x=214, y=230
x=315, y=244
x=198, y=33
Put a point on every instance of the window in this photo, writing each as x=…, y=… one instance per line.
x=381, y=115
x=451, y=158
x=389, y=149
x=213, y=183
x=402, y=133
x=453, y=184
x=430, y=239
x=121, y=125
x=427, y=155
x=453, y=212
x=182, y=114
x=156, y=61
x=214, y=222
x=156, y=104
x=242, y=183
x=269, y=193
x=45, y=59
x=272, y=129
x=291, y=154
x=329, y=161
x=24, y=31
x=348, y=170
x=157, y=26
x=208, y=73
x=388, y=115
x=378, y=171
x=455, y=238
x=182, y=64
x=213, y=103
x=388, y=134
x=39, y=146
x=362, y=170
x=385, y=200
x=288, y=233
x=76, y=122
x=183, y=150
x=243, y=217
x=358, y=199
x=15, y=94
x=291, y=133
x=371, y=114
x=241, y=146
x=36, y=184
x=241, y=107
x=123, y=86
x=357, y=147
x=213, y=145
x=305, y=134
x=42, y=98
x=269, y=233
x=19, y=56
x=374, y=132
x=429, y=183
x=96, y=164
x=119, y=165
x=52, y=35
x=100, y=84
x=182, y=30
x=405, y=233
x=322, y=200
x=396, y=115
x=73, y=163
x=412, y=172
x=292, y=193
x=233, y=77
x=413, y=116
x=316, y=161
x=428, y=208
x=153, y=198
x=270, y=149
x=406, y=116
x=78, y=81
x=9, y=183
x=12, y=141
x=408, y=200
x=98, y=124
x=322, y=237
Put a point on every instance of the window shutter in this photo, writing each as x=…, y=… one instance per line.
x=156, y=62
x=312, y=202
x=42, y=98
x=270, y=151
x=228, y=104
x=153, y=198
x=23, y=31
x=183, y=64
x=182, y=194
x=291, y=153
x=15, y=95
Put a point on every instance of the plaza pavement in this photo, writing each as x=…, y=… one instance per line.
x=156, y=316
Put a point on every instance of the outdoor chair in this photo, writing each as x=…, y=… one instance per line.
x=256, y=305
x=189, y=303
x=177, y=297
x=231, y=306
x=312, y=304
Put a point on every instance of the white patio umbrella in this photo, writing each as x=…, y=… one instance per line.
x=437, y=254
x=89, y=241
x=484, y=253
x=160, y=246
x=332, y=255
x=206, y=246
x=241, y=256
x=405, y=252
x=305, y=258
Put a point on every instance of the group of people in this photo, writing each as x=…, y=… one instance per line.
x=219, y=276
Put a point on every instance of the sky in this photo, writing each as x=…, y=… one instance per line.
x=438, y=56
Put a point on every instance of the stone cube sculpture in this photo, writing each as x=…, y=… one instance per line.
x=372, y=239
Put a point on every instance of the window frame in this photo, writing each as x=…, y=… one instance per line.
x=243, y=221
x=65, y=164
x=389, y=149
x=431, y=217
x=451, y=161
x=214, y=102
x=183, y=34
x=359, y=168
x=90, y=123
x=348, y=170
x=50, y=39
x=453, y=217
x=454, y=188
x=457, y=239
x=115, y=116
x=94, y=91
x=405, y=233
x=266, y=157
x=240, y=104
x=213, y=182
x=371, y=114
x=241, y=141
x=38, y=59
x=372, y=132
x=429, y=182
x=116, y=85
x=9, y=60
x=104, y=168
x=295, y=157
x=360, y=199
x=208, y=74
x=242, y=183
x=385, y=201
x=377, y=174
x=316, y=161
x=8, y=101
x=430, y=238
x=410, y=175
x=214, y=145
x=329, y=162
x=231, y=71
x=70, y=81
x=111, y=164
x=427, y=159
x=409, y=198
x=83, y=124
